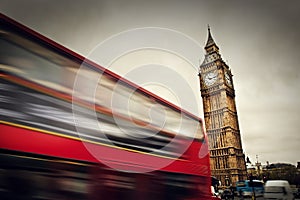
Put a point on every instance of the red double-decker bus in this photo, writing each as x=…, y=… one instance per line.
x=71, y=129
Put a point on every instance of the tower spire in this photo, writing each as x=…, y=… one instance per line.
x=210, y=44
x=212, y=50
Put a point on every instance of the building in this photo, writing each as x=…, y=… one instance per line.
x=284, y=171
x=227, y=159
x=254, y=169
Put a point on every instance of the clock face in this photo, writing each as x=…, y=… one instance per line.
x=228, y=79
x=210, y=78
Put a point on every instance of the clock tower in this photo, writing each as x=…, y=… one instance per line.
x=227, y=159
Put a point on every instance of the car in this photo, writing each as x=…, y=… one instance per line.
x=297, y=193
x=215, y=198
x=215, y=195
x=227, y=194
x=278, y=189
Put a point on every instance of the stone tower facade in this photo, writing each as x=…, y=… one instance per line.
x=227, y=159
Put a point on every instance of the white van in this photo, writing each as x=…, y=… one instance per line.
x=278, y=189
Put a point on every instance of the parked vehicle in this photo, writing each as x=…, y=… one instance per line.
x=297, y=193
x=247, y=187
x=278, y=189
x=215, y=195
x=215, y=198
x=227, y=194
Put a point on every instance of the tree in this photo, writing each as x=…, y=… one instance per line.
x=282, y=171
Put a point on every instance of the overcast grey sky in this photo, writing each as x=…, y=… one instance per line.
x=259, y=40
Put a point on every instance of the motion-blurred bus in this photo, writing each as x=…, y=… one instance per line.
x=71, y=129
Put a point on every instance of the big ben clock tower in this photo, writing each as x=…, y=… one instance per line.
x=227, y=159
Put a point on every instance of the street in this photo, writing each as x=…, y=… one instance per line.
x=249, y=198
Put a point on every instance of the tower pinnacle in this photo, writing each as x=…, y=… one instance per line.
x=210, y=44
x=212, y=50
